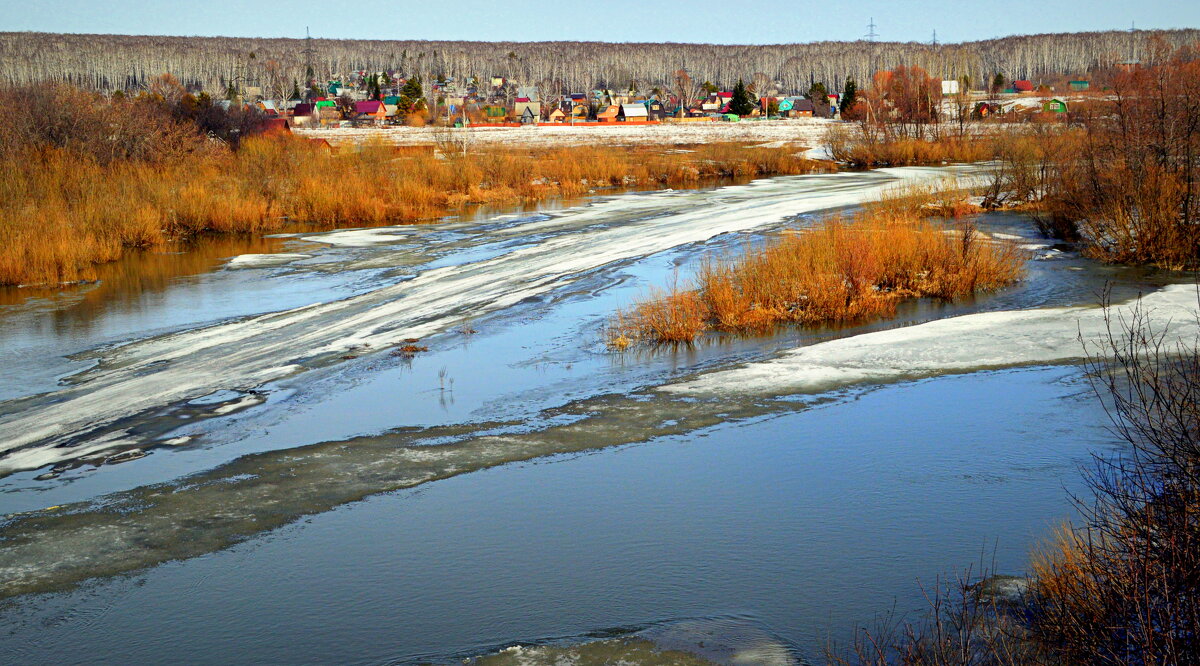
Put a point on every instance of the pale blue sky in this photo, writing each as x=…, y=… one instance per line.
x=716, y=21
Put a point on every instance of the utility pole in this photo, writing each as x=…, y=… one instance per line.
x=871, y=34
x=1133, y=41
x=309, y=74
x=935, y=41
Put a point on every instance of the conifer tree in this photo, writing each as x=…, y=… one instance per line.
x=849, y=94
x=741, y=104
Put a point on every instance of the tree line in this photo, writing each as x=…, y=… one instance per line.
x=126, y=62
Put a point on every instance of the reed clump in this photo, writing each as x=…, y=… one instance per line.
x=66, y=210
x=842, y=270
x=866, y=149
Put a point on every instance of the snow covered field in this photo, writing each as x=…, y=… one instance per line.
x=807, y=132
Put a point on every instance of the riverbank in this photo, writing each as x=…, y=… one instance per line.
x=71, y=213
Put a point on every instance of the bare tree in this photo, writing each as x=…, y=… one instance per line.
x=686, y=90
x=123, y=62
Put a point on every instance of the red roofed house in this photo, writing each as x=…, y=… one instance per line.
x=372, y=110
x=276, y=126
x=1023, y=86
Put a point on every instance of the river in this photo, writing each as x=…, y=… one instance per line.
x=234, y=464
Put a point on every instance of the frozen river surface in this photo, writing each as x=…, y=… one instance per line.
x=242, y=459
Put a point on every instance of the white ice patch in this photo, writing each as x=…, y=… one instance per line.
x=818, y=153
x=968, y=343
x=263, y=260
x=361, y=237
x=239, y=404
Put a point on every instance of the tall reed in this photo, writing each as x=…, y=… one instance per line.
x=841, y=270
x=65, y=211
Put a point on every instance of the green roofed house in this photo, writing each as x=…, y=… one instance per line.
x=1054, y=106
x=1079, y=86
x=391, y=99
x=326, y=103
x=495, y=114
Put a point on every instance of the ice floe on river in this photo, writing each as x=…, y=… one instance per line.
x=264, y=260
x=967, y=343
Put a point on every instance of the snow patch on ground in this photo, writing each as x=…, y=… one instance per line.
x=807, y=132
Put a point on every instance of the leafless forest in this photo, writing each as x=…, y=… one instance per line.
x=110, y=62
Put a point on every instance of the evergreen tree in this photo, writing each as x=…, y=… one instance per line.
x=708, y=87
x=295, y=90
x=819, y=96
x=741, y=103
x=849, y=94
x=998, y=83
x=412, y=89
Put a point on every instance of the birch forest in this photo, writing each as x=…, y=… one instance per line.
x=127, y=62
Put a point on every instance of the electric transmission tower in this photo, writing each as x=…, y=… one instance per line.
x=871, y=34
x=310, y=76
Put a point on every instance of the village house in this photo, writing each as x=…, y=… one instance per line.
x=609, y=114
x=655, y=110
x=796, y=107
x=1054, y=106
x=634, y=112
x=557, y=116
x=302, y=110
x=329, y=116
x=1079, y=85
x=494, y=113
x=525, y=103
x=371, y=111
x=985, y=109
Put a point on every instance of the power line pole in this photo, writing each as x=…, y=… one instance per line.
x=935, y=41
x=309, y=73
x=871, y=34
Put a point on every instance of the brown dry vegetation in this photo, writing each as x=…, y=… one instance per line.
x=843, y=269
x=71, y=200
x=858, y=149
x=1120, y=173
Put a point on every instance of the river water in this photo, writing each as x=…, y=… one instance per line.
x=235, y=465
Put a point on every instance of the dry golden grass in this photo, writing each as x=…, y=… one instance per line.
x=860, y=151
x=65, y=212
x=841, y=270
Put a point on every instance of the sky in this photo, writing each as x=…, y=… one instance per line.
x=709, y=21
